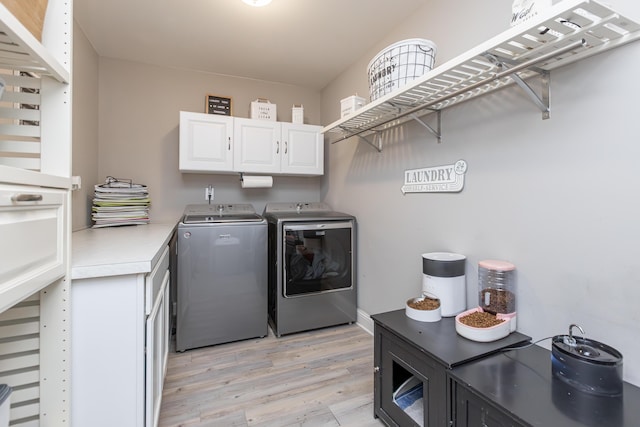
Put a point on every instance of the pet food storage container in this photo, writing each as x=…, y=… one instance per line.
x=443, y=275
x=496, y=283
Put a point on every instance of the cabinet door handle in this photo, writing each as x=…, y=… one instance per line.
x=229, y=144
x=277, y=147
x=26, y=198
x=286, y=147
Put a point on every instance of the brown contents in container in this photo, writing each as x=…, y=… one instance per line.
x=480, y=319
x=425, y=304
x=497, y=301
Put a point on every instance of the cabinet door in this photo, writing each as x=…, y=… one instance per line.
x=108, y=351
x=258, y=146
x=156, y=353
x=473, y=411
x=205, y=143
x=302, y=150
x=166, y=330
x=409, y=386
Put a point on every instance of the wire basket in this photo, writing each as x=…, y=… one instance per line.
x=398, y=64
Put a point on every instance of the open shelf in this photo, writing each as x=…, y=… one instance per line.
x=20, y=50
x=565, y=33
x=35, y=125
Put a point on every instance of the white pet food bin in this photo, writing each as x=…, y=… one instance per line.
x=443, y=276
x=398, y=64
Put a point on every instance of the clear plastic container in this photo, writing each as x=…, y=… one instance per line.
x=496, y=284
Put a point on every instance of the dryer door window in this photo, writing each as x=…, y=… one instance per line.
x=318, y=257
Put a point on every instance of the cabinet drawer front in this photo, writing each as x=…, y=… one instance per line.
x=32, y=252
x=153, y=282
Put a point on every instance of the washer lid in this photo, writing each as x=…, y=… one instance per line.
x=219, y=212
x=297, y=207
x=199, y=219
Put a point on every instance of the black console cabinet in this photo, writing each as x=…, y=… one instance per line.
x=470, y=384
x=422, y=353
x=517, y=388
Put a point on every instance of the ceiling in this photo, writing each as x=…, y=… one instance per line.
x=300, y=42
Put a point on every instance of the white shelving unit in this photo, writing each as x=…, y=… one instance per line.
x=37, y=76
x=567, y=32
x=35, y=196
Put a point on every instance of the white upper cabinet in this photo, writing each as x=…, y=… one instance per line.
x=205, y=142
x=258, y=145
x=222, y=144
x=302, y=149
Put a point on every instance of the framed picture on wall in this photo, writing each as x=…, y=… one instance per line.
x=220, y=105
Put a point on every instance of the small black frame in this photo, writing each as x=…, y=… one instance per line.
x=219, y=105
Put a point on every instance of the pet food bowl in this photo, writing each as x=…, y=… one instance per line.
x=488, y=334
x=423, y=315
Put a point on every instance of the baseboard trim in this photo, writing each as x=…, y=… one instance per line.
x=365, y=321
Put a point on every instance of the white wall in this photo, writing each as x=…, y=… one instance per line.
x=85, y=126
x=556, y=197
x=139, y=109
x=126, y=118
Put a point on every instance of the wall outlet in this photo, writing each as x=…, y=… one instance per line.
x=208, y=193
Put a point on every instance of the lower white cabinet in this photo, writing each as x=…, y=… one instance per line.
x=120, y=340
x=222, y=144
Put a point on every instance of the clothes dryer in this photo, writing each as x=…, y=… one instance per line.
x=312, y=271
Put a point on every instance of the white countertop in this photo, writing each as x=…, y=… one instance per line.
x=115, y=251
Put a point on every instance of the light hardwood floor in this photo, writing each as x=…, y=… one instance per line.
x=316, y=378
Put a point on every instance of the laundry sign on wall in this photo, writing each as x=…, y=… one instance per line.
x=437, y=179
